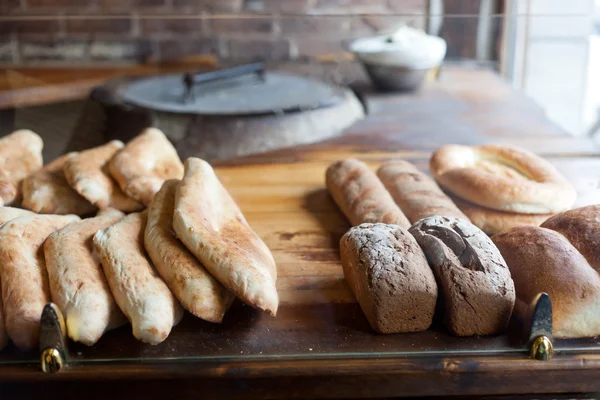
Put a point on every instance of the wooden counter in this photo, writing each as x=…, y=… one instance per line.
x=320, y=344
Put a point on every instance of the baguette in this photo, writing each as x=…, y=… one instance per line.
x=361, y=196
x=77, y=282
x=23, y=274
x=417, y=195
x=196, y=289
x=137, y=288
x=211, y=225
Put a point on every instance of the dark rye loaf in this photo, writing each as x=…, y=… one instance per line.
x=476, y=289
x=388, y=273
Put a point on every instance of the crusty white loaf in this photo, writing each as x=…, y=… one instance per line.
x=543, y=260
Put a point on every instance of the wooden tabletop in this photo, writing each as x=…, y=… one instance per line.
x=320, y=344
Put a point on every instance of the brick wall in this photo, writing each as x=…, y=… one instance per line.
x=115, y=31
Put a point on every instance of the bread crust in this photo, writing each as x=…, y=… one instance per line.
x=48, y=192
x=144, y=164
x=87, y=173
x=210, y=224
x=476, y=288
x=196, y=289
x=417, y=195
x=389, y=276
x=494, y=221
x=502, y=177
x=542, y=260
x=77, y=282
x=20, y=155
x=7, y=214
x=581, y=227
x=23, y=274
x=139, y=291
x=360, y=194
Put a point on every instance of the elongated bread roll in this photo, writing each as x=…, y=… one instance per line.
x=144, y=164
x=542, y=260
x=190, y=282
x=502, y=177
x=138, y=289
x=77, y=282
x=417, y=195
x=48, y=192
x=20, y=155
x=25, y=289
x=210, y=224
x=360, y=194
x=87, y=173
x=7, y=214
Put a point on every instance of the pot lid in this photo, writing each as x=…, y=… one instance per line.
x=274, y=92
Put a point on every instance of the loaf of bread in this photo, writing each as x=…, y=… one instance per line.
x=494, y=221
x=417, y=195
x=361, y=196
x=476, y=288
x=561, y=259
x=388, y=273
x=581, y=227
x=502, y=177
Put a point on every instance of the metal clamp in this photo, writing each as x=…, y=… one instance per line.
x=540, y=333
x=53, y=339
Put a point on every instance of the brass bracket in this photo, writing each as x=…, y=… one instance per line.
x=53, y=339
x=540, y=333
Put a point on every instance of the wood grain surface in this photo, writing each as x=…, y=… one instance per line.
x=320, y=345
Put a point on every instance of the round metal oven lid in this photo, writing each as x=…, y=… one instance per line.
x=244, y=95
